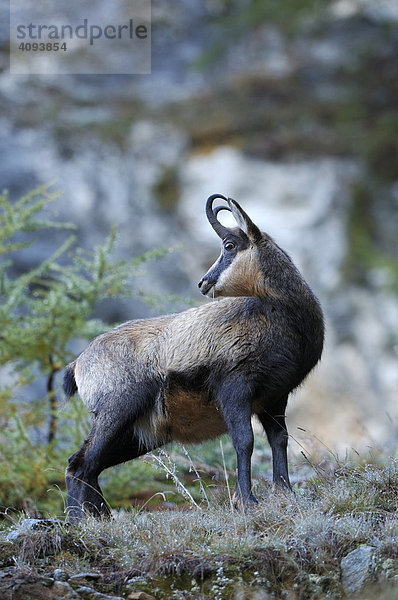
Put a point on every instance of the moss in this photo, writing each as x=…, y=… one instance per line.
x=7, y=554
x=234, y=19
x=359, y=235
x=380, y=146
x=166, y=190
x=365, y=250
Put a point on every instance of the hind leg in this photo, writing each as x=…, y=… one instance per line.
x=106, y=445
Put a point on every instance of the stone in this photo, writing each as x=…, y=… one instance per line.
x=140, y=596
x=64, y=591
x=99, y=596
x=20, y=585
x=85, y=590
x=356, y=568
x=60, y=575
x=92, y=594
x=88, y=576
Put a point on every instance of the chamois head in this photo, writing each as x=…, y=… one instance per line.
x=237, y=271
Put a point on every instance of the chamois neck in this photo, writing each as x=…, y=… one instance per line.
x=282, y=279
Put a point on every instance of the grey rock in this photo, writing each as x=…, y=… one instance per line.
x=88, y=576
x=140, y=596
x=356, y=568
x=20, y=584
x=60, y=575
x=63, y=590
x=91, y=593
x=85, y=590
x=99, y=596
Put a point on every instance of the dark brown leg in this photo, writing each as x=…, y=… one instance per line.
x=275, y=428
x=104, y=447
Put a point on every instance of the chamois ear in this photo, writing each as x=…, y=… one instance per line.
x=244, y=221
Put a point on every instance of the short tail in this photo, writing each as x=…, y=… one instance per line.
x=69, y=383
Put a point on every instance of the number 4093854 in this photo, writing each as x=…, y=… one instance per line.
x=42, y=46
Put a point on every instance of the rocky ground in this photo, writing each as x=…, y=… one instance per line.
x=335, y=538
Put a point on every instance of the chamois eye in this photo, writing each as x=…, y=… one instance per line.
x=229, y=246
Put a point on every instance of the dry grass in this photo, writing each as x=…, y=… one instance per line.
x=289, y=543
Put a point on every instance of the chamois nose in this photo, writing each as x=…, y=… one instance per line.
x=205, y=285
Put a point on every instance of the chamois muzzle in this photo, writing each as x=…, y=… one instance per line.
x=205, y=285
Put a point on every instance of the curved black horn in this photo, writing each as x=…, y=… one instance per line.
x=211, y=214
x=220, y=208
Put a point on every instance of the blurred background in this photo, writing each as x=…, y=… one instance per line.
x=289, y=107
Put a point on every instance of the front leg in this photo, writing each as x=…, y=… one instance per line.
x=275, y=428
x=235, y=402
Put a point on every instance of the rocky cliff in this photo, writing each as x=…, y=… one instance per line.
x=292, y=114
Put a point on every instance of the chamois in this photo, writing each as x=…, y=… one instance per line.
x=195, y=375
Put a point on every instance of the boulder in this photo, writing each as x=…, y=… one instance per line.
x=356, y=569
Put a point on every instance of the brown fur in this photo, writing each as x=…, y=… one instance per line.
x=243, y=277
x=191, y=419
